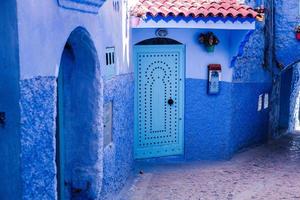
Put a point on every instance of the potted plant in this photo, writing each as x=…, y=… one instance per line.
x=297, y=30
x=209, y=40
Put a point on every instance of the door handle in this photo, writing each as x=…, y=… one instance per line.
x=170, y=101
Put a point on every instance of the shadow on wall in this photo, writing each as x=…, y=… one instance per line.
x=294, y=124
x=287, y=100
x=79, y=142
x=10, y=177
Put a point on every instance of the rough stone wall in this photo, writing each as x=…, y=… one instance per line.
x=287, y=48
x=118, y=156
x=249, y=66
x=38, y=103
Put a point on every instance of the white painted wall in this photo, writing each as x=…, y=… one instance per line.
x=197, y=58
x=44, y=28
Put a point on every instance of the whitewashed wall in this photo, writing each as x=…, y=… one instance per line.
x=44, y=28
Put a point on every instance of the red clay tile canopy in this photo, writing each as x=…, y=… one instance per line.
x=193, y=8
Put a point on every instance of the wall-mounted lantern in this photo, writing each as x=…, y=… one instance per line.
x=209, y=40
x=297, y=32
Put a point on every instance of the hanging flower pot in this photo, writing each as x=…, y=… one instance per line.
x=210, y=49
x=298, y=36
x=297, y=32
x=209, y=40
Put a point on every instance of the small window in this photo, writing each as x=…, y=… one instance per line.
x=260, y=101
x=110, y=68
x=116, y=5
x=266, y=101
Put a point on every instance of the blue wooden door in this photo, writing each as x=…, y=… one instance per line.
x=159, y=100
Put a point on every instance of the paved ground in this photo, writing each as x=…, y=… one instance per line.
x=267, y=172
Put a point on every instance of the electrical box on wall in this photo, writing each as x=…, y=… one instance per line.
x=214, y=78
x=110, y=65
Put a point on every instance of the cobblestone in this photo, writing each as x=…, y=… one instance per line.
x=270, y=171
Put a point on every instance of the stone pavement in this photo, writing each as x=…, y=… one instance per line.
x=270, y=171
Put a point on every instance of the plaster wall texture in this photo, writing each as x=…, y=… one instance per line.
x=118, y=156
x=286, y=82
x=251, y=79
x=287, y=17
x=249, y=63
x=207, y=121
x=38, y=111
x=10, y=177
x=249, y=126
x=49, y=27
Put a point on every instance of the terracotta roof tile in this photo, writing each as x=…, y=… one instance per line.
x=193, y=8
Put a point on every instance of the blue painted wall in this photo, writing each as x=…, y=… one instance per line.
x=285, y=94
x=207, y=121
x=287, y=48
x=81, y=94
x=118, y=156
x=216, y=126
x=249, y=126
x=250, y=79
x=10, y=176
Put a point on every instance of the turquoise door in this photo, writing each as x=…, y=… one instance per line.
x=159, y=100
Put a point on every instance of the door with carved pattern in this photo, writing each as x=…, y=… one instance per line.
x=159, y=100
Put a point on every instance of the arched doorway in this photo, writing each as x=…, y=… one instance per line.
x=78, y=124
x=289, y=100
x=159, y=98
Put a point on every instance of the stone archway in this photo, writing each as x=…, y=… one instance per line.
x=79, y=132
